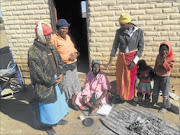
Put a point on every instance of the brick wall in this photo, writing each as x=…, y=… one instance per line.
x=19, y=18
x=160, y=20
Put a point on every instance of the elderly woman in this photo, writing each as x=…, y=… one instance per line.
x=95, y=89
x=69, y=55
x=46, y=71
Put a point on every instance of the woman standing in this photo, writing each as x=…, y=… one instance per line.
x=69, y=55
x=129, y=40
x=46, y=71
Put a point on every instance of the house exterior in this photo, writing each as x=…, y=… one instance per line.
x=160, y=20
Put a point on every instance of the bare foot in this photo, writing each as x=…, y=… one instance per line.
x=94, y=110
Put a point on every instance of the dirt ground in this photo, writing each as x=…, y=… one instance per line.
x=17, y=117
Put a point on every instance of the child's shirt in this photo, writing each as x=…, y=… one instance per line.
x=146, y=75
x=164, y=68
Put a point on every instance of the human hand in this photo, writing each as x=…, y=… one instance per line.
x=108, y=66
x=84, y=99
x=72, y=56
x=98, y=102
x=59, y=79
x=131, y=65
x=164, y=57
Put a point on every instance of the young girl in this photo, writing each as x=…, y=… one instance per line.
x=145, y=74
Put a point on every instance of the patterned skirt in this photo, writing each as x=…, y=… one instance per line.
x=71, y=84
x=145, y=88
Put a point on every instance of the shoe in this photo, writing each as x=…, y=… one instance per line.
x=132, y=102
x=50, y=131
x=62, y=122
x=139, y=102
x=151, y=104
x=75, y=107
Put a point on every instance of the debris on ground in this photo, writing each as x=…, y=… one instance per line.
x=125, y=119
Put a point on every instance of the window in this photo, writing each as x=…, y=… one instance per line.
x=83, y=9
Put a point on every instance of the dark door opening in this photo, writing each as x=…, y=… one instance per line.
x=71, y=11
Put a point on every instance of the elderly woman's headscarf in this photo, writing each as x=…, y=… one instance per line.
x=42, y=29
x=124, y=18
x=95, y=62
x=62, y=23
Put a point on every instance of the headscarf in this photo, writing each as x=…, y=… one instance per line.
x=62, y=23
x=170, y=53
x=94, y=62
x=124, y=18
x=42, y=29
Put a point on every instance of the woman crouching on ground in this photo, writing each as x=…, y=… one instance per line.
x=95, y=89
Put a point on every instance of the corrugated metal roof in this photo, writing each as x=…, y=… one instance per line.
x=125, y=119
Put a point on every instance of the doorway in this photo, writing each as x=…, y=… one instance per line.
x=71, y=11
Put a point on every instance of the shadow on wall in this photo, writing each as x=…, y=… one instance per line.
x=1, y=24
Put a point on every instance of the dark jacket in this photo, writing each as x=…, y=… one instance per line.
x=42, y=72
x=123, y=39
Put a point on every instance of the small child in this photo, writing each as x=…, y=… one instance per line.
x=164, y=63
x=145, y=75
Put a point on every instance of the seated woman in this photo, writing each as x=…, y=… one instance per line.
x=95, y=89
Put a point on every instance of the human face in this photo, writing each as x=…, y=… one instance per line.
x=124, y=26
x=96, y=69
x=48, y=38
x=63, y=31
x=142, y=65
x=164, y=50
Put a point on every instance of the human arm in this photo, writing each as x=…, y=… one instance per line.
x=152, y=73
x=169, y=64
x=86, y=89
x=138, y=75
x=73, y=56
x=109, y=63
x=105, y=86
x=104, y=94
x=140, y=48
x=59, y=78
x=162, y=66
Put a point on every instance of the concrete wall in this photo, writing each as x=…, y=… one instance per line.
x=19, y=19
x=160, y=20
